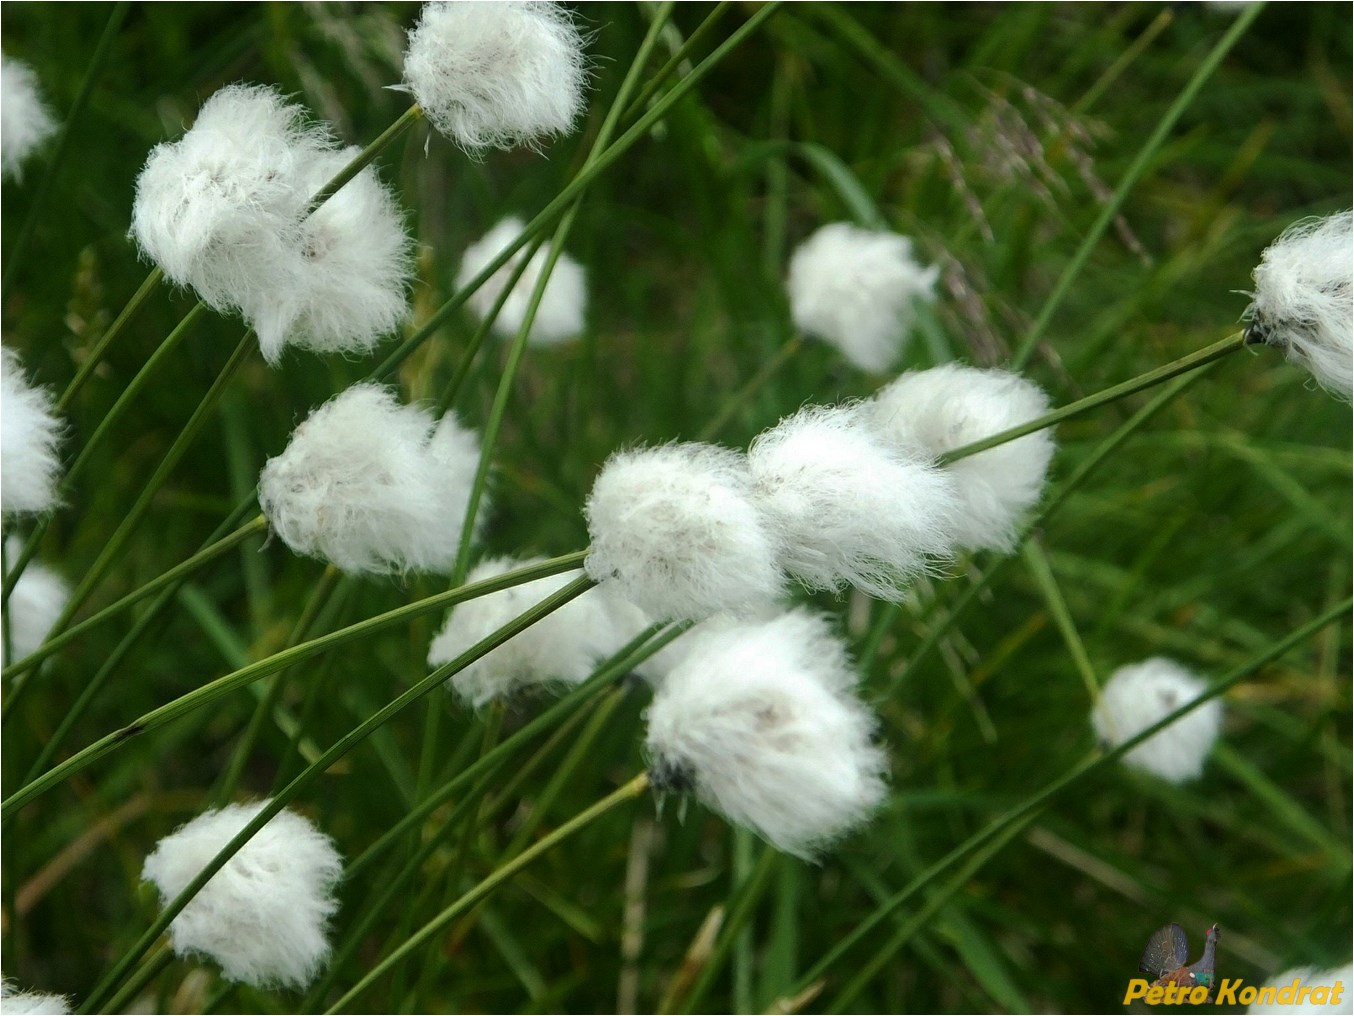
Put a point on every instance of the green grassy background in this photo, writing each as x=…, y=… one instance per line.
x=993, y=134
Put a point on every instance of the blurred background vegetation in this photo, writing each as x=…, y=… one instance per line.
x=993, y=134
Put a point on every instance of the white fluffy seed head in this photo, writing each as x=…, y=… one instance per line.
x=29, y=433
x=496, y=75
x=372, y=485
x=1137, y=696
x=264, y=916
x=560, y=314
x=856, y=289
x=31, y=1003
x=846, y=508
x=25, y=120
x=1303, y=298
x=565, y=645
x=1310, y=977
x=934, y=411
x=675, y=532
x=34, y=604
x=761, y=721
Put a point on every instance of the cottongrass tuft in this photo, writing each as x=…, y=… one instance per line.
x=35, y=603
x=1310, y=977
x=674, y=531
x=560, y=313
x=1137, y=696
x=496, y=75
x=844, y=507
x=563, y=646
x=855, y=288
x=761, y=720
x=1302, y=300
x=29, y=433
x=31, y=1003
x=935, y=411
x=264, y=916
x=25, y=121
x=372, y=485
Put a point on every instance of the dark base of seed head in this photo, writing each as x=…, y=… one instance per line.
x=670, y=776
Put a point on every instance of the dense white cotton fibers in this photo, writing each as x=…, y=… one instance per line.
x=372, y=485
x=30, y=1003
x=1303, y=298
x=30, y=431
x=264, y=917
x=844, y=507
x=36, y=601
x=564, y=301
x=1137, y=696
x=496, y=75
x=675, y=532
x=566, y=645
x=931, y=412
x=761, y=721
x=855, y=288
x=25, y=120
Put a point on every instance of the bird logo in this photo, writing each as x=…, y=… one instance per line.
x=1167, y=954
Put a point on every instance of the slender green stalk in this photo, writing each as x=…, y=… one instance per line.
x=153, y=967
x=628, y=792
x=1123, y=61
x=682, y=53
x=95, y=357
x=1037, y=562
x=364, y=158
x=222, y=686
x=754, y=384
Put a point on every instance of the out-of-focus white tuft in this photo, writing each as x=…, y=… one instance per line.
x=25, y=120
x=29, y=433
x=855, y=288
x=560, y=314
x=496, y=75
x=372, y=485
x=761, y=721
x=675, y=532
x=1310, y=977
x=34, y=605
x=844, y=507
x=223, y=210
x=343, y=283
x=264, y=916
x=31, y=1003
x=565, y=645
x=1302, y=300
x=1137, y=696
x=934, y=411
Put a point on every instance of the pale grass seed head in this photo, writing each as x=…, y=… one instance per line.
x=565, y=646
x=856, y=289
x=25, y=121
x=30, y=1003
x=496, y=75
x=844, y=507
x=1137, y=696
x=931, y=412
x=1303, y=299
x=561, y=312
x=372, y=485
x=30, y=431
x=675, y=532
x=35, y=603
x=761, y=720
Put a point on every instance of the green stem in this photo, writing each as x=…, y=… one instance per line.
x=151, y=969
x=365, y=158
x=1037, y=562
x=1125, y=60
x=754, y=384
x=682, y=52
x=96, y=355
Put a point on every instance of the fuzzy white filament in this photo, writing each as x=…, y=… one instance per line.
x=1302, y=300
x=1137, y=696
x=761, y=721
x=264, y=916
x=844, y=507
x=855, y=288
x=565, y=645
x=564, y=301
x=223, y=210
x=934, y=411
x=1307, y=977
x=29, y=433
x=372, y=485
x=34, y=604
x=31, y=1003
x=675, y=532
x=25, y=120
x=496, y=75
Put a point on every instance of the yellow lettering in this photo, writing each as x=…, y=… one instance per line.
x=1336, y=992
x=1285, y=996
x=1169, y=997
x=1265, y=995
x=1198, y=995
x=1137, y=988
x=1302, y=995
x=1320, y=994
x=1227, y=991
x=1154, y=994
